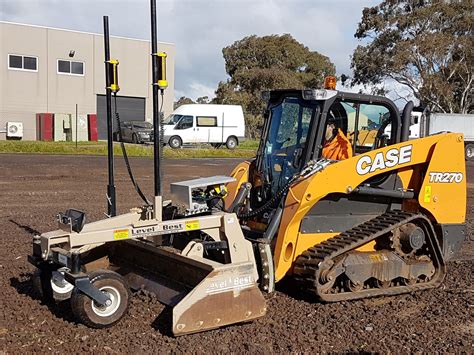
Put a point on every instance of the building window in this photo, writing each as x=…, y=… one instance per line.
x=70, y=67
x=22, y=62
x=206, y=121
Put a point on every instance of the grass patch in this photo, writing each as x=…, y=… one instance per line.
x=249, y=144
x=246, y=150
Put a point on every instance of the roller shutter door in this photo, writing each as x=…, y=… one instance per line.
x=129, y=109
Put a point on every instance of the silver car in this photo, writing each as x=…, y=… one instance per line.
x=136, y=132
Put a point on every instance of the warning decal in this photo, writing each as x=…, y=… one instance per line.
x=192, y=225
x=427, y=198
x=120, y=234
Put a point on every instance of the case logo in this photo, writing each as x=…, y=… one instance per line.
x=384, y=160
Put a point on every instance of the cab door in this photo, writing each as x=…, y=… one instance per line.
x=185, y=129
x=362, y=125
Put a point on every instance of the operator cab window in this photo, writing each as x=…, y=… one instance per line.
x=363, y=125
x=185, y=122
x=285, y=140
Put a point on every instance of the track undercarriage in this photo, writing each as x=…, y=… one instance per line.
x=407, y=258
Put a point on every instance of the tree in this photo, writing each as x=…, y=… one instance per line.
x=183, y=100
x=426, y=45
x=255, y=64
x=202, y=100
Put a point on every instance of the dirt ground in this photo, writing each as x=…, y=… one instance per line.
x=34, y=188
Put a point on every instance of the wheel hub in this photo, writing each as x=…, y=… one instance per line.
x=111, y=305
x=407, y=240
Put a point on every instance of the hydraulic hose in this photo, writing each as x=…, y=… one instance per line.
x=125, y=156
x=311, y=168
x=269, y=204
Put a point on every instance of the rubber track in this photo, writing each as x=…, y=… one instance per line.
x=307, y=266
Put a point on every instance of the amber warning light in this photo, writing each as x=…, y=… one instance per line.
x=330, y=83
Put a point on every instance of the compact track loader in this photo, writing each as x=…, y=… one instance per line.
x=384, y=221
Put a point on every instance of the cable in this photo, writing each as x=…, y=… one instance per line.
x=311, y=168
x=162, y=125
x=269, y=204
x=125, y=156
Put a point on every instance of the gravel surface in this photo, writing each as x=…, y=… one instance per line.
x=34, y=188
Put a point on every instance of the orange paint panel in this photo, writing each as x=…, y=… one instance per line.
x=346, y=175
x=444, y=190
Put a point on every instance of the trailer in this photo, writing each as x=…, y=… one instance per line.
x=424, y=124
x=450, y=122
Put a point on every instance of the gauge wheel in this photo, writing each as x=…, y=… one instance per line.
x=231, y=143
x=94, y=315
x=469, y=151
x=175, y=142
x=55, y=285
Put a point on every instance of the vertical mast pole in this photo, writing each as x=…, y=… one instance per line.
x=111, y=204
x=157, y=152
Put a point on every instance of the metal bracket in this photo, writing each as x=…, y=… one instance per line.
x=215, y=245
x=85, y=286
x=267, y=269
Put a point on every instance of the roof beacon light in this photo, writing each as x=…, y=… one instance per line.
x=330, y=83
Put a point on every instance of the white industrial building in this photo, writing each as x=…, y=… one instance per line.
x=50, y=70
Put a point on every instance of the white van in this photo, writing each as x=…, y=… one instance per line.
x=198, y=123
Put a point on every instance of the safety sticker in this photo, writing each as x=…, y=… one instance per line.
x=120, y=234
x=192, y=225
x=427, y=197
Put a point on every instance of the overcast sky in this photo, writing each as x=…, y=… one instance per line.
x=201, y=28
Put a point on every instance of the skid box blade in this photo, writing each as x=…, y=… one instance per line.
x=227, y=295
x=204, y=294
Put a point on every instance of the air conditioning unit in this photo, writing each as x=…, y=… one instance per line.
x=14, y=129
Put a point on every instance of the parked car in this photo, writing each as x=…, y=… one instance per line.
x=205, y=123
x=136, y=132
